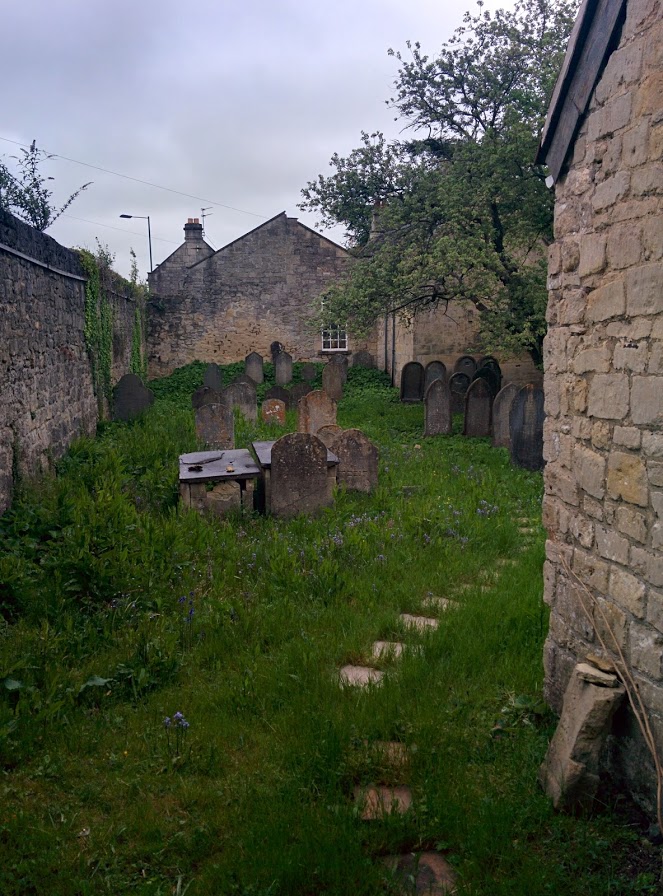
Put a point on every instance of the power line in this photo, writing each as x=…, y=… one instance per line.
x=137, y=180
x=119, y=229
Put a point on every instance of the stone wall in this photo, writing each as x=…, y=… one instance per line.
x=603, y=504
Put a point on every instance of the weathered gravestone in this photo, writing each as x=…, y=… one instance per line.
x=458, y=386
x=363, y=359
x=435, y=370
x=276, y=348
x=315, y=410
x=357, y=461
x=213, y=377
x=308, y=372
x=243, y=396
x=478, y=405
x=299, y=482
x=244, y=378
x=215, y=425
x=273, y=411
x=283, y=368
x=412, y=381
x=526, y=428
x=437, y=409
x=131, y=398
x=490, y=361
x=490, y=375
x=329, y=433
x=205, y=395
x=280, y=393
x=466, y=364
x=342, y=362
x=332, y=381
x=501, y=411
x=253, y=367
x=297, y=392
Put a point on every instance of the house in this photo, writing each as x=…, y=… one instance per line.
x=603, y=442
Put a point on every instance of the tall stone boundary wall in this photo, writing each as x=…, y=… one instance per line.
x=603, y=504
x=47, y=398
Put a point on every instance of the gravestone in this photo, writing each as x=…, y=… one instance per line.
x=215, y=425
x=466, y=364
x=526, y=428
x=299, y=482
x=244, y=378
x=342, y=362
x=275, y=349
x=435, y=370
x=501, y=411
x=412, y=381
x=283, y=368
x=205, y=395
x=357, y=461
x=458, y=386
x=280, y=393
x=308, y=372
x=332, y=381
x=315, y=410
x=490, y=361
x=490, y=375
x=253, y=367
x=437, y=409
x=478, y=405
x=131, y=398
x=273, y=411
x=243, y=396
x=213, y=377
x=363, y=359
x=329, y=433
x=298, y=391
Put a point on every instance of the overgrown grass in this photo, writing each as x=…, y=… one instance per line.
x=120, y=609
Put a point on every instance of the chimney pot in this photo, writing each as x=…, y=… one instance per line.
x=189, y=220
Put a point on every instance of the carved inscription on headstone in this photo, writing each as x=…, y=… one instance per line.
x=273, y=411
x=298, y=477
x=283, y=368
x=215, y=425
x=131, y=398
x=253, y=367
x=437, y=409
x=357, y=461
x=412, y=382
x=478, y=404
x=243, y=396
x=526, y=428
x=315, y=410
x=501, y=411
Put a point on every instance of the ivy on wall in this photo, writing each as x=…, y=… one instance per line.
x=98, y=328
x=138, y=362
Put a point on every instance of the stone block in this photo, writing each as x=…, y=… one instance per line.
x=644, y=294
x=648, y=97
x=646, y=651
x=570, y=255
x=624, y=245
x=610, y=624
x=593, y=508
x=647, y=400
x=635, y=144
x=592, y=254
x=561, y=483
x=657, y=536
x=647, y=564
x=606, y=301
x=655, y=472
x=655, y=365
x=647, y=180
x=614, y=116
x=611, y=191
x=608, y=397
x=590, y=471
x=612, y=546
x=628, y=591
x=632, y=523
x=627, y=478
x=590, y=570
x=655, y=608
x=631, y=356
x=592, y=360
x=582, y=530
x=652, y=443
x=601, y=435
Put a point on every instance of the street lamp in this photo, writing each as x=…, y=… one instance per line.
x=149, y=233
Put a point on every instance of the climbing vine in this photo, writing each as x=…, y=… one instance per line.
x=98, y=327
x=137, y=363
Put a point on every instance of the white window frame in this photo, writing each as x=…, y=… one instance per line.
x=334, y=338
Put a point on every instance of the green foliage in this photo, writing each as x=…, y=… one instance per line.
x=25, y=193
x=99, y=318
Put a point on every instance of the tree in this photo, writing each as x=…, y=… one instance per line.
x=462, y=210
x=26, y=193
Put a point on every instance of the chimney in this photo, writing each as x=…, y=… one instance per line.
x=193, y=231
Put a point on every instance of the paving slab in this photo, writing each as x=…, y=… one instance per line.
x=360, y=676
x=439, y=603
x=388, y=649
x=425, y=873
x=393, y=752
x=378, y=802
x=421, y=623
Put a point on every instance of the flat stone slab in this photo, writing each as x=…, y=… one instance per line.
x=382, y=649
x=360, y=676
x=391, y=752
x=421, y=623
x=438, y=603
x=378, y=802
x=426, y=873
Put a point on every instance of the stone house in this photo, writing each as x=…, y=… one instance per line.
x=603, y=442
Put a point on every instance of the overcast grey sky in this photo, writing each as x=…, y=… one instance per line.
x=237, y=103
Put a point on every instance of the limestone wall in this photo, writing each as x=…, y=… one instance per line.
x=603, y=505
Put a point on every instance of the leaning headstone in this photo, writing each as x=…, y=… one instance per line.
x=131, y=398
x=280, y=393
x=315, y=410
x=437, y=409
x=412, y=381
x=297, y=392
x=357, y=461
x=299, y=482
x=458, y=386
x=273, y=411
x=243, y=396
x=501, y=411
x=466, y=364
x=478, y=405
x=435, y=370
x=308, y=372
x=526, y=428
x=215, y=425
x=342, y=362
x=253, y=367
x=329, y=433
x=363, y=359
x=213, y=377
x=283, y=368
x=332, y=381
x=205, y=395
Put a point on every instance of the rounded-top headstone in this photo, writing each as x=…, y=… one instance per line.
x=490, y=375
x=315, y=410
x=342, y=361
x=412, y=381
x=363, y=358
x=280, y=393
x=526, y=428
x=273, y=411
x=466, y=364
x=297, y=392
x=308, y=372
x=275, y=349
x=329, y=433
x=437, y=409
x=205, y=395
x=435, y=370
x=458, y=386
x=131, y=398
x=357, y=461
x=478, y=408
x=299, y=482
x=501, y=411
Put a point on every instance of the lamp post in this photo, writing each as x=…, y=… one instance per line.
x=149, y=233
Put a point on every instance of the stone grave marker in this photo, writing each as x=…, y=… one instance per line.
x=243, y=396
x=412, y=381
x=466, y=364
x=297, y=392
x=490, y=375
x=215, y=425
x=329, y=433
x=131, y=398
x=501, y=411
x=478, y=405
x=357, y=461
x=435, y=370
x=280, y=393
x=363, y=359
x=298, y=476
x=273, y=411
x=253, y=367
x=437, y=409
x=213, y=377
x=526, y=428
x=205, y=395
x=458, y=386
x=315, y=410
x=275, y=349
x=283, y=368
x=308, y=372
x=332, y=381
x=342, y=362
x=244, y=378
x=490, y=361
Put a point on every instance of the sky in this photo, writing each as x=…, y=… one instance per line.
x=238, y=105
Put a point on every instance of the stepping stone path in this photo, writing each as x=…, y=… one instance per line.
x=360, y=676
x=389, y=649
x=378, y=802
x=438, y=603
x=421, y=623
x=425, y=872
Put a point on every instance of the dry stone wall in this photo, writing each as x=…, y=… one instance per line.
x=603, y=504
